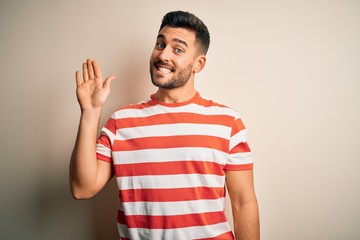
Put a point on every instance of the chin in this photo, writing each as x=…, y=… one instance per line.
x=160, y=84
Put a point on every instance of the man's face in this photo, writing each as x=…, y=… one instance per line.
x=173, y=59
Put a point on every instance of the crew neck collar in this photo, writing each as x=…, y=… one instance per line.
x=178, y=104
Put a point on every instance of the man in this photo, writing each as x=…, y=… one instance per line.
x=171, y=154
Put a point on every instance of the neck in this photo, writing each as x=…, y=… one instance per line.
x=176, y=95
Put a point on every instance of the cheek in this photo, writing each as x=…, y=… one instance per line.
x=183, y=62
x=187, y=65
x=153, y=56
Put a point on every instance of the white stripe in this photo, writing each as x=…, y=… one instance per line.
x=237, y=138
x=101, y=149
x=168, y=155
x=124, y=232
x=160, y=109
x=180, y=129
x=173, y=208
x=240, y=158
x=108, y=133
x=208, y=231
x=170, y=181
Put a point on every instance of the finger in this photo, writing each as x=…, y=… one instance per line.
x=108, y=81
x=97, y=70
x=78, y=78
x=85, y=72
x=90, y=69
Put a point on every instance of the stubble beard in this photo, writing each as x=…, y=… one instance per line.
x=176, y=81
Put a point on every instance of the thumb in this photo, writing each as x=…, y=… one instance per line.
x=108, y=81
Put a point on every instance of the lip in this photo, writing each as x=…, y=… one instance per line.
x=158, y=69
x=162, y=65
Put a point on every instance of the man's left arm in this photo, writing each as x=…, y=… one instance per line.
x=240, y=185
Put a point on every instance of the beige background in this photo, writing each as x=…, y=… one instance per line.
x=292, y=68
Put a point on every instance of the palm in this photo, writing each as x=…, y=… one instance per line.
x=92, y=91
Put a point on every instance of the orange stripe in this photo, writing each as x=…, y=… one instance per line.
x=238, y=125
x=150, y=103
x=103, y=158
x=137, y=106
x=240, y=148
x=239, y=167
x=227, y=236
x=174, y=221
x=170, y=195
x=209, y=103
x=104, y=140
x=200, y=101
x=171, y=118
x=166, y=168
x=111, y=125
x=172, y=142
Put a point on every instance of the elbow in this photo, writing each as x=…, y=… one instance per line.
x=80, y=194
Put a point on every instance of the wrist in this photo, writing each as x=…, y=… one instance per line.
x=93, y=114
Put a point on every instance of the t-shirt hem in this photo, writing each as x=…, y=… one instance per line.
x=103, y=158
x=242, y=167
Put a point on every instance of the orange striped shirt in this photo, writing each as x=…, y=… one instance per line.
x=170, y=162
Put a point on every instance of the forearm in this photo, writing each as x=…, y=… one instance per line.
x=246, y=221
x=83, y=164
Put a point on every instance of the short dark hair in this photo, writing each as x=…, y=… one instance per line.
x=189, y=21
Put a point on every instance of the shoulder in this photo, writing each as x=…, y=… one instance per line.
x=217, y=107
x=132, y=109
x=139, y=105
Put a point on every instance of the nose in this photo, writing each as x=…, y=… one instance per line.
x=165, y=54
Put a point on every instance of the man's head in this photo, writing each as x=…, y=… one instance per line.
x=181, y=19
x=180, y=50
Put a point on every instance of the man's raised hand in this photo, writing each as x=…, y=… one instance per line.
x=92, y=91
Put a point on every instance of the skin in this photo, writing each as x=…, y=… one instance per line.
x=87, y=174
x=245, y=210
x=175, y=49
x=175, y=60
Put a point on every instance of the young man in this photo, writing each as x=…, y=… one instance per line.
x=172, y=154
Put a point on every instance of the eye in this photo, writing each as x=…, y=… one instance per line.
x=179, y=50
x=160, y=45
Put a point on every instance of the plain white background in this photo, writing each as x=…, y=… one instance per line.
x=292, y=68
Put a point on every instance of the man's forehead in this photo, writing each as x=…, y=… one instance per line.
x=177, y=34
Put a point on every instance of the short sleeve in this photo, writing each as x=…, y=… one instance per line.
x=105, y=141
x=239, y=157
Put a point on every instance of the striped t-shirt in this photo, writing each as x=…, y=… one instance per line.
x=170, y=162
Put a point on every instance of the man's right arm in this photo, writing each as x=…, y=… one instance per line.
x=88, y=175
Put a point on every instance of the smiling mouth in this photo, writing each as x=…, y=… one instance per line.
x=163, y=68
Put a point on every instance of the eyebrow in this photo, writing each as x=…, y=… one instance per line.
x=174, y=39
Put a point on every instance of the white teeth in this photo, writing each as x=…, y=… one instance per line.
x=164, y=70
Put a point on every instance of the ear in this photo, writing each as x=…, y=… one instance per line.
x=200, y=62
